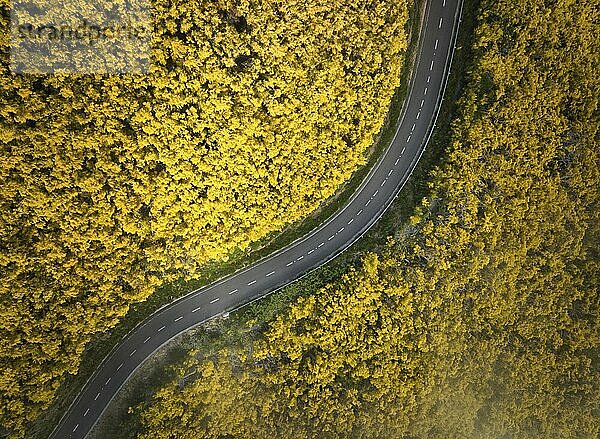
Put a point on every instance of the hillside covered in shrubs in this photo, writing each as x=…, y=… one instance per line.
x=252, y=114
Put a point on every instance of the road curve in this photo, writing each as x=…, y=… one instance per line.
x=371, y=199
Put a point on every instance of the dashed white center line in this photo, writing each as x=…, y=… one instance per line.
x=75, y=428
x=440, y=25
x=270, y=274
x=320, y=245
x=311, y=251
x=408, y=139
x=425, y=92
x=422, y=102
x=330, y=238
x=403, y=149
x=148, y=338
x=132, y=352
x=413, y=127
x=252, y=282
x=436, y=44
x=233, y=292
x=428, y=79
x=383, y=182
x=390, y=173
x=107, y=381
x=300, y=258
x=160, y=329
x=341, y=230
x=444, y=4
x=120, y=366
x=359, y=212
x=375, y=193
x=86, y=412
x=178, y=318
x=350, y=222
x=397, y=160
x=216, y=299
x=196, y=309
x=418, y=115
x=431, y=66
x=289, y=263
x=96, y=397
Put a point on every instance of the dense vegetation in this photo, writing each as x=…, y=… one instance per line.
x=252, y=114
x=480, y=318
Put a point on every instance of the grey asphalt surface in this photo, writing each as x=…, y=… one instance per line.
x=368, y=203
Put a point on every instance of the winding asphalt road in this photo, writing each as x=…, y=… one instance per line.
x=376, y=193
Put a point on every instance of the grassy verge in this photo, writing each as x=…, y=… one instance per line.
x=234, y=330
